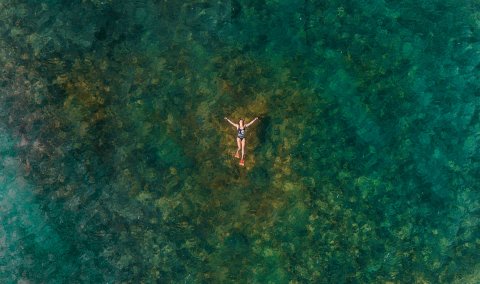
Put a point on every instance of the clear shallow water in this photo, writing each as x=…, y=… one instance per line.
x=116, y=164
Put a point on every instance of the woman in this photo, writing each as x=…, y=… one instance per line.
x=241, y=137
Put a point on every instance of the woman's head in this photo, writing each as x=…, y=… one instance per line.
x=240, y=122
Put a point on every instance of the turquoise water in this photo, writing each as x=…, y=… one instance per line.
x=117, y=165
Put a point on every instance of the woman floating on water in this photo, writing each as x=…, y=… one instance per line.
x=241, y=137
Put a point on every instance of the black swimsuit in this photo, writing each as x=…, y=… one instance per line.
x=241, y=133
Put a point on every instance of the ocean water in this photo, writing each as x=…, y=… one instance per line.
x=116, y=165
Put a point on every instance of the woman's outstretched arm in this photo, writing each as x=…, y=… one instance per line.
x=231, y=122
x=248, y=124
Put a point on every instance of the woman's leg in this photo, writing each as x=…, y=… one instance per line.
x=239, y=147
x=243, y=147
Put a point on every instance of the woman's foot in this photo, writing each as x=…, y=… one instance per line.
x=242, y=162
x=237, y=155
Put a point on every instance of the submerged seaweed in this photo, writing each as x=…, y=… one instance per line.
x=116, y=163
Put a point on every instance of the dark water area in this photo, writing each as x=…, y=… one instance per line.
x=117, y=165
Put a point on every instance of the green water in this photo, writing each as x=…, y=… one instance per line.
x=117, y=166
